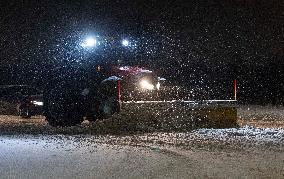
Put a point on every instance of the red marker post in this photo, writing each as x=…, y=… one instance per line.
x=119, y=95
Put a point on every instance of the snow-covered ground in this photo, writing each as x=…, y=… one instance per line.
x=30, y=148
x=63, y=157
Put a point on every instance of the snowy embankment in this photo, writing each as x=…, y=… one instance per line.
x=244, y=138
x=262, y=128
x=244, y=133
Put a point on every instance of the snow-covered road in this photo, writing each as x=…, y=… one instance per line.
x=64, y=157
x=59, y=156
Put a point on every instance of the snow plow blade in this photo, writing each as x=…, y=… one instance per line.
x=180, y=115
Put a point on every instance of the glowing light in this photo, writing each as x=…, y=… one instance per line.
x=38, y=103
x=158, y=85
x=146, y=85
x=89, y=42
x=125, y=42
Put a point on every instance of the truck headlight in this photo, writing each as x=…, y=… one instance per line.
x=146, y=85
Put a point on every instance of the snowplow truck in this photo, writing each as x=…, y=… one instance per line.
x=130, y=93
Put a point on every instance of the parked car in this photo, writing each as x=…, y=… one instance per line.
x=26, y=99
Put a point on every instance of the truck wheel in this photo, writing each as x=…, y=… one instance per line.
x=108, y=107
x=63, y=109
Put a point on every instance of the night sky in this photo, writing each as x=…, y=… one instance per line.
x=197, y=44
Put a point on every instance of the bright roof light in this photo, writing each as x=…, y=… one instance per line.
x=125, y=42
x=89, y=42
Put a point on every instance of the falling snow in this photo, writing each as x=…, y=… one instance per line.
x=84, y=57
x=191, y=45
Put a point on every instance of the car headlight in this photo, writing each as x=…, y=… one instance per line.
x=37, y=103
x=144, y=84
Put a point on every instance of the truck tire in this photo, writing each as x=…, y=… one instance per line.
x=104, y=109
x=108, y=107
x=63, y=108
x=109, y=101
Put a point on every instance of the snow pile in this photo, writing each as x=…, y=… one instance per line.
x=245, y=138
x=246, y=132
